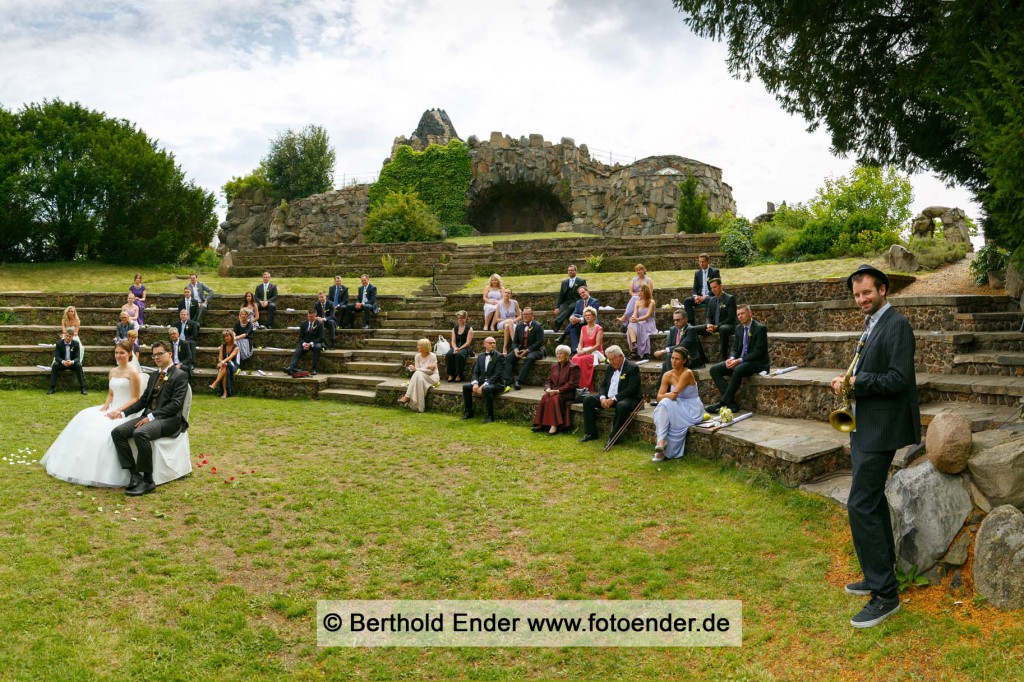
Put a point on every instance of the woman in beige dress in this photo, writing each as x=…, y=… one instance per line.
x=424, y=377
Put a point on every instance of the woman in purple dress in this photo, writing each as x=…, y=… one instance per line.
x=642, y=324
x=140, y=296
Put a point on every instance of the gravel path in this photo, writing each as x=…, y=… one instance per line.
x=954, y=278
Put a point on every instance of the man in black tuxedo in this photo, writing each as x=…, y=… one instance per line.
x=67, y=358
x=187, y=329
x=366, y=300
x=701, y=285
x=311, y=338
x=884, y=386
x=620, y=391
x=676, y=336
x=749, y=356
x=720, y=319
x=527, y=345
x=266, y=299
x=325, y=315
x=189, y=305
x=488, y=381
x=568, y=294
x=576, y=320
x=183, y=354
x=162, y=403
x=337, y=294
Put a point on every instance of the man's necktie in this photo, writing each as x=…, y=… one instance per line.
x=745, y=337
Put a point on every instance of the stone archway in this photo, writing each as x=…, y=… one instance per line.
x=516, y=207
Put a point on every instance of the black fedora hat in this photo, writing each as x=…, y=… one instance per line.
x=868, y=270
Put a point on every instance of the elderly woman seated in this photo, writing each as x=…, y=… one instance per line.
x=559, y=392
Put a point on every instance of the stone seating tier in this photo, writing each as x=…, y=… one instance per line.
x=159, y=317
x=554, y=260
x=219, y=302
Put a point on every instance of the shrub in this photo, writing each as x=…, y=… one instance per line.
x=769, y=236
x=933, y=252
x=459, y=230
x=402, y=217
x=788, y=249
x=692, y=216
x=207, y=260
x=389, y=263
x=257, y=180
x=737, y=247
x=440, y=175
x=595, y=262
x=990, y=258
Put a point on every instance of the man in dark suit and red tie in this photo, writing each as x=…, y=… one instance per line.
x=884, y=387
x=701, y=285
x=527, y=346
x=311, y=339
x=676, y=336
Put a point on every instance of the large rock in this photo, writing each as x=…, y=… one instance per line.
x=999, y=472
x=903, y=260
x=1014, y=281
x=948, y=442
x=999, y=558
x=929, y=509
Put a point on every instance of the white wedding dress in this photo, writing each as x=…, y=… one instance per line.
x=84, y=451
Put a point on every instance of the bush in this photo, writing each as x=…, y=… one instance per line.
x=769, y=236
x=692, y=216
x=738, y=248
x=299, y=164
x=257, y=180
x=990, y=258
x=933, y=252
x=207, y=260
x=402, y=217
x=789, y=248
x=595, y=262
x=439, y=175
x=459, y=230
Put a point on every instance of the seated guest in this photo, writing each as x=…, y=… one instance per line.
x=527, y=345
x=183, y=355
x=590, y=351
x=507, y=316
x=311, y=338
x=131, y=309
x=227, y=364
x=620, y=391
x=138, y=290
x=201, y=293
x=325, y=314
x=189, y=304
x=576, y=320
x=266, y=300
x=559, y=392
x=720, y=319
x=492, y=295
x=366, y=300
x=424, y=377
x=568, y=294
x=634, y=292
x=337, y=294
x=188, y=329
x=461, y=348
x=250, y=307
x=66, y=358
x=243, y=336
x=70, y=321
x=749, y=356
x=133, y=339
x=675, y=337
x=701, y=285
x=123, y=326
x=642, y=324
x=679, y=407
x=488, y=381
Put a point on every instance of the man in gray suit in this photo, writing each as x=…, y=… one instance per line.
x=888, y=417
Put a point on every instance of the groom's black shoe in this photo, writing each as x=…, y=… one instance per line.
x=136, y=479
x=146, y=485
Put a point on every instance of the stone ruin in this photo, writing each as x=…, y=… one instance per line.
x=524, y=184
x=952, y=220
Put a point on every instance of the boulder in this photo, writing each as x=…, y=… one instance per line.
x=948, y=442
x=901, y=259
x=929, y=509
x=999, y=472
x=999, y=558
x=1014, y=280
x=226, y=263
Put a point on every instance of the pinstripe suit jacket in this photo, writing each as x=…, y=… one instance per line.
x=888, y=415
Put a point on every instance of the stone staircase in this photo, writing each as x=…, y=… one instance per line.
x=457, y=272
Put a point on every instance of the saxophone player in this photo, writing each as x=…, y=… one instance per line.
x=884, y=389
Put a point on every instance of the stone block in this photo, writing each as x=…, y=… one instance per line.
x=948, y=442
x=999, y=558
x=998, y=472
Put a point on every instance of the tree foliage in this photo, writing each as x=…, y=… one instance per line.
x=439, y=175
x=881, y=195
x=76, y=183
x=692, y=215
x=915, y=83
x=257, y=180
x=298, y=164
x=402, y=217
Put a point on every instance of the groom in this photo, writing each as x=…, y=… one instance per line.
x=161, y=402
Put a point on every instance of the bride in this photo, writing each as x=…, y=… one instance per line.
x=84, y=451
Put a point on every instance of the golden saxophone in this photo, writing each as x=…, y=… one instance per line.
x=842, y=419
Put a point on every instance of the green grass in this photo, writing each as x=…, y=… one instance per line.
x=491, y=238
x=207, y=580
x=99, y=277
x=666, y=279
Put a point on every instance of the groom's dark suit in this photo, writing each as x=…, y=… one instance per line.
x=163, y=403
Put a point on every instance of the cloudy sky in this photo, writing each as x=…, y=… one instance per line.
x=213, y=81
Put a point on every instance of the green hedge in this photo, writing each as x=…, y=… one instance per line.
x=439, y=175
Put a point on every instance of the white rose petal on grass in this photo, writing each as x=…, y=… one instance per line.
x=99, y=509
x=134, y=519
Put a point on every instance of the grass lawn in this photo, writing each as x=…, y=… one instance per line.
x=100, y=277
x=207, y=580
x=491, y=238
x=756, y=274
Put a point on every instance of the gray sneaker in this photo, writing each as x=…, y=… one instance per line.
x=860, y=588
x=875, y=612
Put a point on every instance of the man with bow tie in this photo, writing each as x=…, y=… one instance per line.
x=488, y=381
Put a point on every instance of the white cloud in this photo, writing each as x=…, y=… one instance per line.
x=215, y=81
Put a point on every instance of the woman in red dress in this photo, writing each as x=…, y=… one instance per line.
x=591, y=349
x=559, y=392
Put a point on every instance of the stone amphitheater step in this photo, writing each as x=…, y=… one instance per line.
x=219, y=302
x=375, y=368
x=348, y=395
x=209, y=336
x=1004, y=364
x=158, y=317
x=360, y=381
x=989, y=321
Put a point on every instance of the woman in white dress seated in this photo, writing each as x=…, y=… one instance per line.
x=84, y=452
x=492, y=295
x=679, y=408
x=424, y=377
